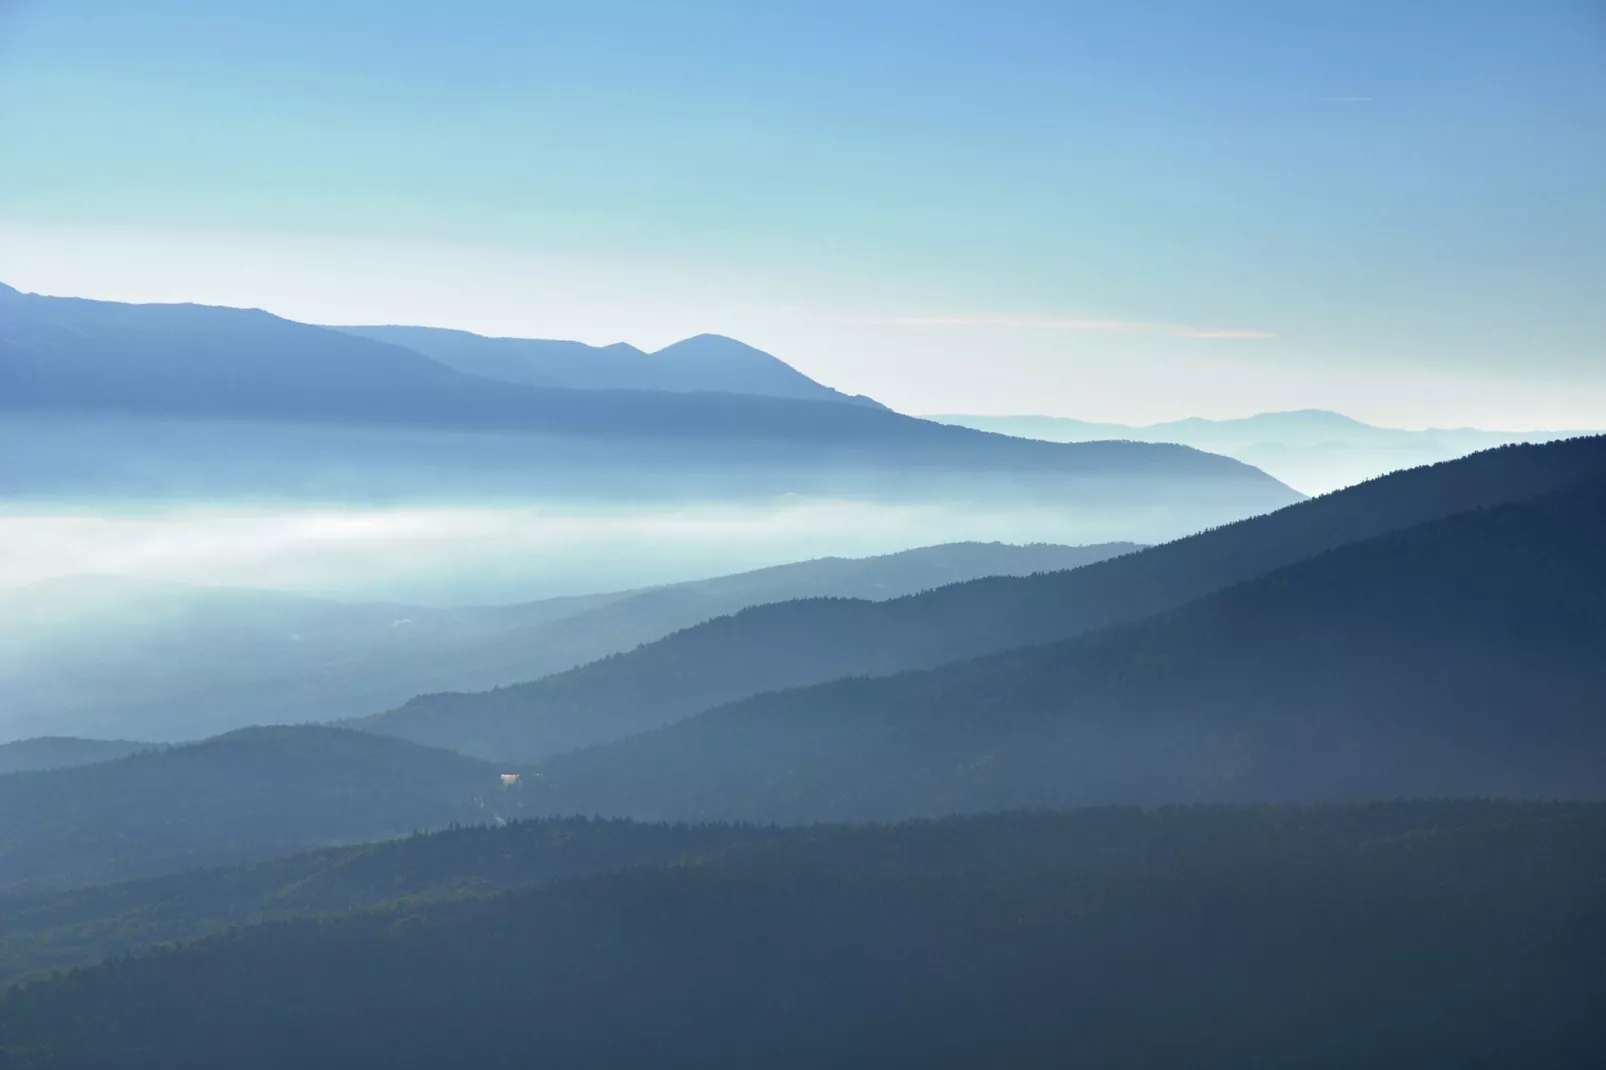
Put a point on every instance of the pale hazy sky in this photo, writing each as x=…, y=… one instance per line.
x=1118, y=211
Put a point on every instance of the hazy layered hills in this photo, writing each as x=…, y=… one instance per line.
x=251, y=794
x=1462, y=657
x=1458, y=655
x=120, y=657
x=791, y=644
x=1313, y=450
x=1445, y=934
x=707, y=362
x=184, y=401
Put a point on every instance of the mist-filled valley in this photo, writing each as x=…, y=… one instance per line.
x=857, y=535
x=263, y=624
x=107, y=655
x=177, y=442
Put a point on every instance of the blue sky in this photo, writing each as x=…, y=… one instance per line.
x=1130, y=211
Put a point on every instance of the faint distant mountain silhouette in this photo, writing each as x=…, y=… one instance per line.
x=1313, y=450
x=75, y=356
x=708, y=362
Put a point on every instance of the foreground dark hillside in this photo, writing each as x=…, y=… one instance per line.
x=251, y=794
x=1462, y=657
x=1408, y=935
x=792, y=644
x=44, y=932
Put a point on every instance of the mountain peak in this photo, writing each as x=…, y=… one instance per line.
x=1313, y=416
x=746, y=369
x=711, y=340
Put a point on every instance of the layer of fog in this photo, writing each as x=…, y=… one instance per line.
x=178, y=622
x=445, y=555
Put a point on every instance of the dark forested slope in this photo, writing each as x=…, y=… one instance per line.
x=1407, y=935
x=1464, y=656
x=250, y=794
x=792, y=644
x=43, y=932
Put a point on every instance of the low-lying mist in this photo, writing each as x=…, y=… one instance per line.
x=180, y=622
x=166, y=579
x=452, y=555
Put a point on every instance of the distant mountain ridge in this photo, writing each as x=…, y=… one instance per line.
x=106, y=401
x=71, y=355
x=706, y=362
x=1315, y=450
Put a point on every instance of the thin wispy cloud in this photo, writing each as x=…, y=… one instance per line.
x=1082, y=324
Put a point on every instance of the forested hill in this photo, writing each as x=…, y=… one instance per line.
x=1399, y=935
x=1466, y=656
x=793, y=644
x=251, y=794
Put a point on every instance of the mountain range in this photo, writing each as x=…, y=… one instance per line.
x=707, y=362
x=107, y=404
x=1315, y=450
x=199, y=360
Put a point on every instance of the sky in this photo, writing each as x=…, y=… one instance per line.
x=1130, y=212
